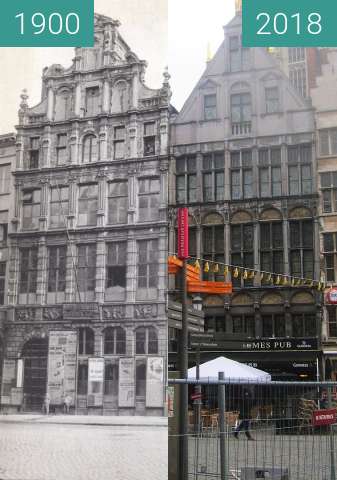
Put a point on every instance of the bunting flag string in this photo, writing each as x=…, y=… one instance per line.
x=245, y=273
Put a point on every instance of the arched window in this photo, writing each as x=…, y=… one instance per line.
x=146, y=341
x=86, y=340
x=82, y=379
x=114, y=341
x=62, y=105
x=141, y=379
x=111, y=379
x=90, y=149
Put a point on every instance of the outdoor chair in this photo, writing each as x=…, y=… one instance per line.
x=305, y=410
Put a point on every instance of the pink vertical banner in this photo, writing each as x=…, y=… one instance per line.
x=183, y=233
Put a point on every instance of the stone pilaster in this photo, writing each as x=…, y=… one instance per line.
x=100, y=270
x=41, y=286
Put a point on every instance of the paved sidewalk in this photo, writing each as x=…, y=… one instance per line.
x=122, y=421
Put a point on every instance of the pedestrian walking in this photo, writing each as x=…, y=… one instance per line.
x=66, y=404
x=245, y=404
x=46, y=403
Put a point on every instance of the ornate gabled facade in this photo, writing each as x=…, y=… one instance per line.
x=243, y=161
x=88, y=237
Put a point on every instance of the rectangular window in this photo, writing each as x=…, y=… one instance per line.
x=328, y=142
x=272, y=100
x=330, y=252
x=241, y=175
x=186, y=179
x=3, y=227
x=118, y=202
x=239, y=57
x=329, y=191
x=242, y=251
x=298, y=79
x=57, y=265
x=304, y=325
x=28, y=271
x=301, y=248
x=149, y=139
x=59, y=207
x=273, y=326
x=5, y=179
x=213, y=177
x=86, y=268
x=88, y=204
x=299, y=170
x=210, y=107
x=2, y=282
x=332, y=322
x=213, y=248
x=31, y=209
x=119, y=142
x=34, y=153
x=296, y=54
x=61, y=149
x=244, y=324
x=147, y=276
x=115, y=271
x=92, y=101
x=148, y=198
x=271, y=247
x=241, y=108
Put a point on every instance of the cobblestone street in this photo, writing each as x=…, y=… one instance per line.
x=36, y=450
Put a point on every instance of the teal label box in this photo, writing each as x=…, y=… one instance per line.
x=289, y=23
x=47, y=23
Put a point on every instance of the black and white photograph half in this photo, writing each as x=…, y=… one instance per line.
x=83, y=252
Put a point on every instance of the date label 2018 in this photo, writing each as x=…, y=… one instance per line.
x=47, y=23
x=285, y=23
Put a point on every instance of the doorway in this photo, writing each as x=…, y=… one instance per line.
x=35, y=357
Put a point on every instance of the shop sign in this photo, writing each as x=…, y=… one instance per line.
x=209, y=341
x=62, y=366
x=95, y=382
x=331, y=296
x=324, y=417
x=155, y=382
x=183, y=233
x=126, y=390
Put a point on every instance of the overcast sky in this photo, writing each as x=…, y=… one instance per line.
x=178, y=39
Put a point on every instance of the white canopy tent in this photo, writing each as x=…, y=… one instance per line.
x=233, y=370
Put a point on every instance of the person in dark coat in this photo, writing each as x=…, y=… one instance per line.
x=245, y=404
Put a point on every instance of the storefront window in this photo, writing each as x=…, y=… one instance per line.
x=111, y=379
x=114, y=341
x=141, y=379
x=82, y=379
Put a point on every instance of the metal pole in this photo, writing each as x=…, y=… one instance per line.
x=332, y=442
x=183, y=457
x=198, y=401
x=223, y=445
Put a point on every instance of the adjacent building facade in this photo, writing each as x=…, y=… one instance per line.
x=243, y=160
x=86, y=314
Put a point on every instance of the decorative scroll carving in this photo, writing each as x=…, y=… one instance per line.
x=114, y=312
x=145, y=311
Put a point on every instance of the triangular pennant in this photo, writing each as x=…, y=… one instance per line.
x=216, y=268
x=206, y=267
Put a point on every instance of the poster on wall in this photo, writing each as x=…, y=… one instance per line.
x=126, y=391
x=62, y=366
x=96, y=380
x=155, y=382
x=8, y=380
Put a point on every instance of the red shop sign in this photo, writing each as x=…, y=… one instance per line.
x=331, y=296
x=183, y=233
x=324, y=417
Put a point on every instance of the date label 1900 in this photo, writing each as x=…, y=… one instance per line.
x=47, y=23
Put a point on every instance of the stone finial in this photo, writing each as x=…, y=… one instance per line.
x=24, y=97
x=166, y=89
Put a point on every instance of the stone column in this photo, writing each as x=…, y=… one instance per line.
x=100, y=270
x=14, y=268
x=74, y=147
x=72, y=202
x=103, y=143
x=51, y=103
x=78, y=99
x=133, y=148
x=131, y=269
x=41, y=287
x=19, y=153
x=132, y=197
x=46, y=150
x=71, y=287
x=134, y=99
x=256, y=280
x=199, y=178
x=106, y=95
x=227, y=174
x=164, y=133
x=101, y=199
x=286, y=245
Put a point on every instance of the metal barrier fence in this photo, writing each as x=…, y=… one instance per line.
x=247, y=431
